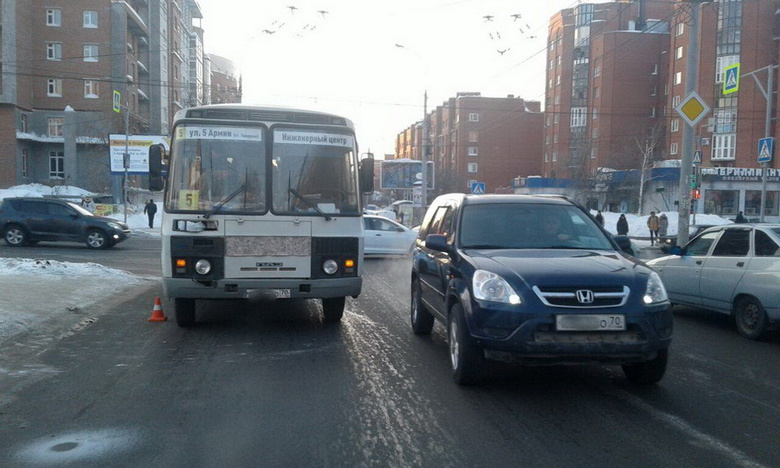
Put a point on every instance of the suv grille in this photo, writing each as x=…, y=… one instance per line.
x=583, y=297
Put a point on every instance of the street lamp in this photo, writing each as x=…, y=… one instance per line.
x=424, y=142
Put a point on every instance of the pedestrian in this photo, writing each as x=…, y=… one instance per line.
x=150, y=209
x=663, y=225
x=740, y=218
x=622, y=225
x=600, y=218
x=653, y=225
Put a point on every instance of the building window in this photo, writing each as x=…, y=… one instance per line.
x=55, y=126
x=547, y=140
x=594, y=133
x=473, y=151
x=596, y=92
x=557, y=100
x=549, y=83
x=555, y=119
x=724, y=147
x=54, y=17
x=721, y=63
x=53, y=51
x=594, y=153
x=54, y=87
x=473, y=117
x=679, y=29
x=473, y=137
x=546, y=157
x=25, y=154
x=678, y=53
x=597, y=71
x=90, y=19
x=675, y=125
x=652, y=113
x=673, y=148
x=555, y=156
x=557, y=80
x=675, y=101
x=579, y=116
x=473, y=168
x=548, y=121
x=90, y=52
x=24, y=123
x=91, y=89
x=595, y=114
x=678, y=78
x=470, y=183
x=56, y=165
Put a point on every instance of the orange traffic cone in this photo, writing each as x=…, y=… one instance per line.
x=157, y=312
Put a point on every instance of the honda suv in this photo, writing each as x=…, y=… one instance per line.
x=31, y=220
x=535, y=280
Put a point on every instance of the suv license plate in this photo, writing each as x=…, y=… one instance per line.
x=609, y=322
x=282, y=293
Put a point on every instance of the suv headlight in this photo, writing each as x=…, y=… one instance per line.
x=655, y=292
x=115, y=226
x=489, y=286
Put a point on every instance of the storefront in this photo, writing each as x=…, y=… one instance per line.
x=725, y=191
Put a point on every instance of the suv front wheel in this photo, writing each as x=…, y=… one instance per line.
x=97, y=239
x=14, y=235
x=466, y=357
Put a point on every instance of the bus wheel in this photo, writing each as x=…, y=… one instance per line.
x=185, y=312
x=333, y=309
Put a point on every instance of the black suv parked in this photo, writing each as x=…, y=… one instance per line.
x=535, y=280
x=31, y=220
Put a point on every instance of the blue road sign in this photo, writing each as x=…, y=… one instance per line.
x=731, y=79
x=766, y=148
x=478, y=188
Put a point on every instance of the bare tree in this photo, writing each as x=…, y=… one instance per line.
x=648, y=146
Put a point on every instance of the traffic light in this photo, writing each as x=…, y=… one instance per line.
x=695, y=194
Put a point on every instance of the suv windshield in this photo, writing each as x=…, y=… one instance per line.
x=529, y=226
x=211, y=163
x=312, y=172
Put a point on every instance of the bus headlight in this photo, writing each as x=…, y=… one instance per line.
x=330, y=266
x=202, y=267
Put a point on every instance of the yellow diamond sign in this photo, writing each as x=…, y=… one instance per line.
x=693, y=109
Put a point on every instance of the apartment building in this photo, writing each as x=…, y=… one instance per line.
x=65, y=62
x=477, y=141
x=225, y=83
x=617, y=71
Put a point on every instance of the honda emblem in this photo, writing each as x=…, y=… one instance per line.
x=585, y=296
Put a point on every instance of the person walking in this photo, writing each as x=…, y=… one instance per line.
x=663, y=225
x=622, y=225
x=740, y=218
x=150, y=209
x=600, y=218
x=653, y=225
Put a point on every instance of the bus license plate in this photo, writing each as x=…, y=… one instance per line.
x=282, y=293
x=608, y=322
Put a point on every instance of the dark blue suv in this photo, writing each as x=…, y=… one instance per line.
x=535, y=280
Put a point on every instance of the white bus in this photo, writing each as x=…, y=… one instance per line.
x=261, y=204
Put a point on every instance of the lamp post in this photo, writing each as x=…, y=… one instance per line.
x=424, y=139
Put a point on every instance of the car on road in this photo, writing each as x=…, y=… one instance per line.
x=29, y=220
x=667, y=242
x=733, y=269
x=535, y=280
x=384, y=237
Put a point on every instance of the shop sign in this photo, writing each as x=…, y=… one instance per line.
x=739, y=174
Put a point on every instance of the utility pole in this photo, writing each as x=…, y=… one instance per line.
x=686, y=162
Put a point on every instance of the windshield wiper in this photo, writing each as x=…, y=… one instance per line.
x=309, y=203
x=227, y=199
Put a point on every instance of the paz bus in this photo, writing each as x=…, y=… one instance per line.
x=261, y=204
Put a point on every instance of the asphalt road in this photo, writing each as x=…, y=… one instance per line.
x=270, y=385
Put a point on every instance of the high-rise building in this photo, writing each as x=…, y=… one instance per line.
x=66, y=65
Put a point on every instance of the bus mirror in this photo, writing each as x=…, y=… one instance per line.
x=367, y=175
x=156, y=156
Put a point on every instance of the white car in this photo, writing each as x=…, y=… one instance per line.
x=733, y=269
x=386, y=237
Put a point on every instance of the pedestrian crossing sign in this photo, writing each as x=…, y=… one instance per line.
x=766, y=147
x=478, y=188
x=731, y=79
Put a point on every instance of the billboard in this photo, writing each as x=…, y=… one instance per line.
x=137, y=148
x=403, y=174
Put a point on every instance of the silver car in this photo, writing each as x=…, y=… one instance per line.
x=733, y=269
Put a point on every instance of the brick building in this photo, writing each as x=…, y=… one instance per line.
x=63, y=60
x=476, y=139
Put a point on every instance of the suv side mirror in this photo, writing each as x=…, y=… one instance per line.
x=366, y=175
x=436, y=242
x=156, y=157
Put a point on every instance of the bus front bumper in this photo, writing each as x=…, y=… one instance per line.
x=262, y=290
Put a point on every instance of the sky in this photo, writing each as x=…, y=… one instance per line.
x=340, y=56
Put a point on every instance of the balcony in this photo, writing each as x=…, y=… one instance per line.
x=134, y=23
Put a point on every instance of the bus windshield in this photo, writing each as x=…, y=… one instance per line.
x=313, y=172
x=217, y=167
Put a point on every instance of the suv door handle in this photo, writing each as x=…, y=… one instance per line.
x=698, y=262
x=740, y=264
